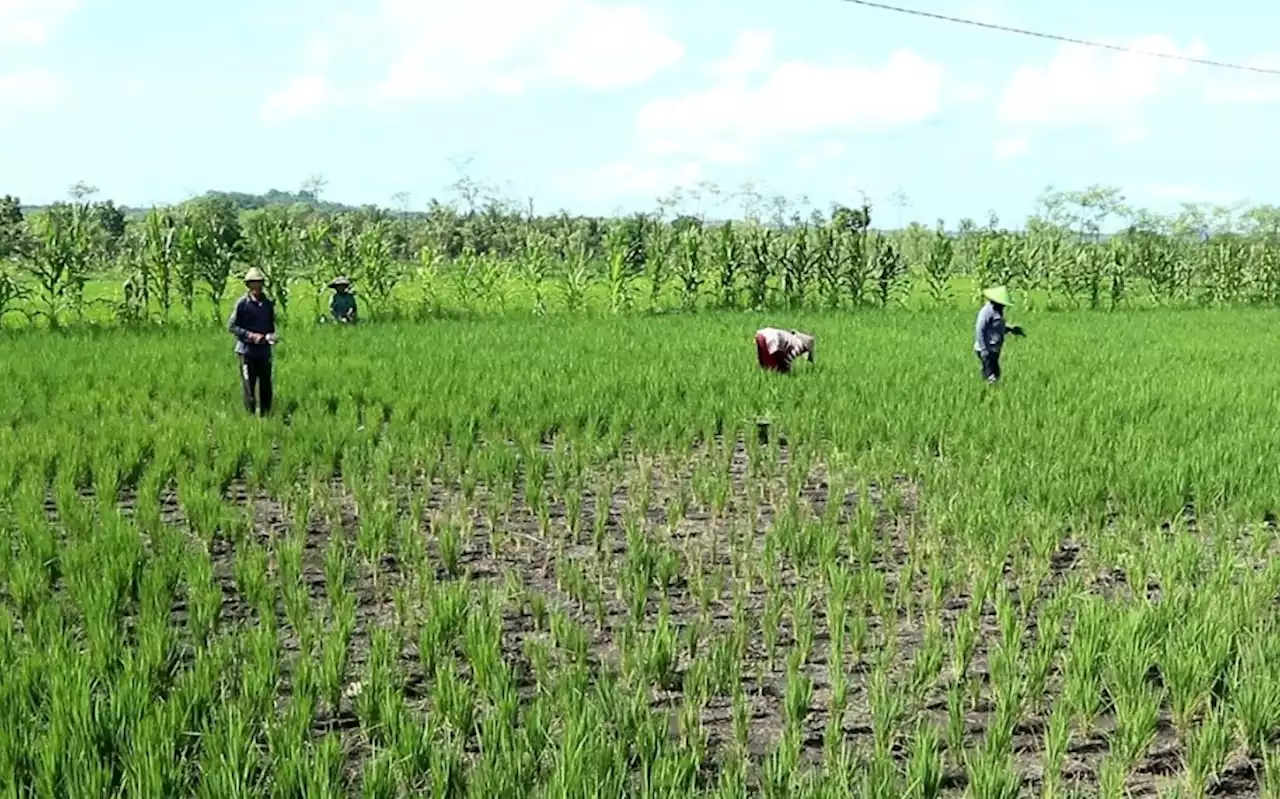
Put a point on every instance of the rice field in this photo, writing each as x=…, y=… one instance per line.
x=576, y=557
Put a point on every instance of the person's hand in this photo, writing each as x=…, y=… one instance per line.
x=255, y=338
x=1017, y=331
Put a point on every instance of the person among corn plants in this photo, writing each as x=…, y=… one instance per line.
x=990, y=331
x=253, y=323
x=777, y=348
x=343, y=304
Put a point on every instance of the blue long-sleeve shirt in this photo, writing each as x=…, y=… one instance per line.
x=252, y=316
x=988, y=334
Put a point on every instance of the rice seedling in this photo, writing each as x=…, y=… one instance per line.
x=477, y=574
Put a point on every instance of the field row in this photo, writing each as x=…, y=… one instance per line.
x=799, y=634
x=496, y=558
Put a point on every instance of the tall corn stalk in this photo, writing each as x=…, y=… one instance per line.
x=466, y=286
x=135, y=303
x=997, y=260
x=1224, y=270
x=729, y=260
x=891, y=274
x=429, y=279
x=12, y=292
x=160, y=257
x=15, y=242
x=939, y=266
x=798, y=258
x=827, y=265
x=271, y=244
x=1043, y=251
x=1117, y=268
x=60, y=259
x=690, y=266
x=315, y=241
x=1265, y=258
x=760, y=258
x=379, y=270
x=618, y=246
x=537, y=267
x=577, y=277
x=658, y=257
x=209, y=247
x=1153, y=260
x=1079, y=276
x=853, y=226
x=491, y=281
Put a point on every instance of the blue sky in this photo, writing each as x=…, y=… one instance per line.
x=599, y=106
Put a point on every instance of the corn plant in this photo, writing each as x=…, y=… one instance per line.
x=271, y=243
x=940, y=266
x=59, y=260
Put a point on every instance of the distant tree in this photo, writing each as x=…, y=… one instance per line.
x=12, y=227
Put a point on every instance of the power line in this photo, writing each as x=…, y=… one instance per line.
x=1067, y=39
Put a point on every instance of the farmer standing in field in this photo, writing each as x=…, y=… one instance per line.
x=990, y=331
x=253, y=323
x=776, y=348
x=343, y=304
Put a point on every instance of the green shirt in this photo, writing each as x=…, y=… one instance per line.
x=341, y=304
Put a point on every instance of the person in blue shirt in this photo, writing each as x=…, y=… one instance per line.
x=343, y=304
x=253, y=323
x=990, y=331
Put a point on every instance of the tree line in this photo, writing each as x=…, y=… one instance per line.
x=178, y=264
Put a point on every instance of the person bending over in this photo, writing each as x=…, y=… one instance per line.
x=777, y=348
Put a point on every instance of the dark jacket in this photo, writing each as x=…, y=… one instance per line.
x=341, y=305
x=252, y=316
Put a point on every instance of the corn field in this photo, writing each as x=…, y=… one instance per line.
x=180, y=264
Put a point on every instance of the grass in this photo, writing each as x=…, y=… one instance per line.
x=515, y=557
x=451, y=294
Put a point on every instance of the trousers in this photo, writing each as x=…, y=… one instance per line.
x=990, y=365
x=255, y=373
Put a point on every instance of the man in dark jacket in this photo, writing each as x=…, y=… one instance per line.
x=253, y=323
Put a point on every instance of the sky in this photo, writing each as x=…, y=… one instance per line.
x=600, y=107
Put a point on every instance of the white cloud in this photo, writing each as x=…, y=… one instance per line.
x=627, y=179
x=728, y=121
x=31, y=21
x=752, y=52
x=303, y=96
x=1246, y=88
x=445, y=50
x=1089, y=85
x=29, y=88
x=319, y=51
x=967, y=95
x=1132, y=135
x=824, y=153
x=1008, y=149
